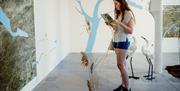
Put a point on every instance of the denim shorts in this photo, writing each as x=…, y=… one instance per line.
x=122, y=45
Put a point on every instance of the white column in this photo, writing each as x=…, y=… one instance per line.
x=156, y=11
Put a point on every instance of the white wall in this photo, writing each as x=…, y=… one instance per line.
x=171, y=45
x=170, y=2
x=52, y=36
x=145, y=26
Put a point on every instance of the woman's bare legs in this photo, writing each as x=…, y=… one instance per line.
x=121, y=63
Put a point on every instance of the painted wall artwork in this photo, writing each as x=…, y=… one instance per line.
x=17, y=44
x=171, y=21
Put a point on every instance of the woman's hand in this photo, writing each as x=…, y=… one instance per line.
x=112, y=24
x=107, y=23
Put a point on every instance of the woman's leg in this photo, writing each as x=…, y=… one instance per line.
x=121, y=63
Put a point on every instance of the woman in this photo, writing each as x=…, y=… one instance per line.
x=123, y=26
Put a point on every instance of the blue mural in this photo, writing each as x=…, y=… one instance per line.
x=6, y=22
x=134, y=4
x=17, y=44
x=94, y=23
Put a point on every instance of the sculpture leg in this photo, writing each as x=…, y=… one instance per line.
x=151, y=72
x=146, y=76
x=134, y=77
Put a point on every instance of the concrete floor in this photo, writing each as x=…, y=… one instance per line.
x=70, y=75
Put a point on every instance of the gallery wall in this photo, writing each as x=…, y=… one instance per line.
x=52, y=37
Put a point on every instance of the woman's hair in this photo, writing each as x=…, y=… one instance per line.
x=124, y=7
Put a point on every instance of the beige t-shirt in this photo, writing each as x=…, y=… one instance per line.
x=120, y=35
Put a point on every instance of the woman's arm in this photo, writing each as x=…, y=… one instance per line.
x=129, y=27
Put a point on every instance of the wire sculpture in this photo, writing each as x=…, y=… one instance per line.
x=146, y=50
x=130, y=53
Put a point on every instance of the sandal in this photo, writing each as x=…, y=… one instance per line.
x=119, y=88
x=125, y=89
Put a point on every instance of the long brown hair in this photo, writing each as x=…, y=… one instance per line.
x=124, y=7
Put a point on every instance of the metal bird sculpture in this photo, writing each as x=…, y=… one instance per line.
x=146, y=50
x=130, y=53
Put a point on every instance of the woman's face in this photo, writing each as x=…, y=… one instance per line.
x=117, y=5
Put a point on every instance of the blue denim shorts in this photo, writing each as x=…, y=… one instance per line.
x=122, y=45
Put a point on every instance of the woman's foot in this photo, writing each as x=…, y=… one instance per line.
x=125, y=89
x=119, y=88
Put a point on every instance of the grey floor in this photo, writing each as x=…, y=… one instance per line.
x=70, y=75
